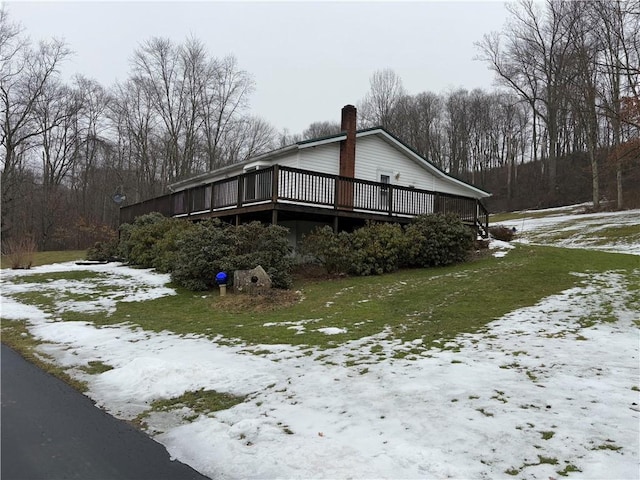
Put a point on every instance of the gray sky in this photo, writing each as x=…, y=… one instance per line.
x=308, y=59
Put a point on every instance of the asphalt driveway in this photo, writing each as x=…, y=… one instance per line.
x=50, y=431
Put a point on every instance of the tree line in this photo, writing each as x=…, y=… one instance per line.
x=568, y=79
x=569, y=85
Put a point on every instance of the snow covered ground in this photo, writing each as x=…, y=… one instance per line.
x=533, y=395
x=564, y=228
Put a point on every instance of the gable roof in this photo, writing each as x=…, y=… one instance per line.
x=389, y=138
x=417, y=158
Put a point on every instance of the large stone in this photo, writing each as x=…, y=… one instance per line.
x=251, y=281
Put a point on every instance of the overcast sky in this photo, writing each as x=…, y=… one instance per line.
x=308, y=59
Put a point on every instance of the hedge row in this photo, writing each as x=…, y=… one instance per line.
x=195, y=252
x=428, y=241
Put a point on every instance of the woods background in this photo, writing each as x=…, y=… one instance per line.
x=562, y=125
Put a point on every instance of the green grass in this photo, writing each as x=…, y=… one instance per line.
x=607, y=446
x=46, y=258
x=618, y=233
x=95, y=367
x=569, y=468
x=434, y=305
x=199, y=402
x=78, y=275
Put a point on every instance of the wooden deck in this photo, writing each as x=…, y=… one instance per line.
x=283, y=192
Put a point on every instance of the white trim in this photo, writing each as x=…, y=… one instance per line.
x=323, y=141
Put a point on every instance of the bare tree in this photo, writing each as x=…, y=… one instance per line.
x=616, y=25
x=321, y=129
x=534, y=63
x=418, y=121
x=55, y=111
x=224, y=100
x=94, y=144
x=250, y=136
x=137, y=132
x=25, y=73
x=379, y=105
x=157, y=70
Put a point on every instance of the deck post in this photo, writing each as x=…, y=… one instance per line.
x=240, y=189
x=335, y=224
x=274, y=184
x=274, y=216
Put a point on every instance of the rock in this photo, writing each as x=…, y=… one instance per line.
x=251, y=281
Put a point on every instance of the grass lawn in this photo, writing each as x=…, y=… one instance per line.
x=45, y=258
x=496, y=379
x=433, y=305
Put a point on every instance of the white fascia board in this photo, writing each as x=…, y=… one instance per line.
x=436, y=172
x=323, y=142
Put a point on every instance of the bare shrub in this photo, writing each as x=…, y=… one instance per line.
x=20, y=252
x=500, y=232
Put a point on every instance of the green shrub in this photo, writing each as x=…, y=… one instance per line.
x=267, y=246
x=332, y=251
x=137, y=240
x=377, y=248
x=437, y=239
x=202, y=252
x=103, y=251
x=165, y=248
x=150, y=242
x=210, y=247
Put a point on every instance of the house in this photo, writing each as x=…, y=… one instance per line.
x=341, y=180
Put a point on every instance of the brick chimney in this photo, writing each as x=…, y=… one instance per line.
x=348, y=146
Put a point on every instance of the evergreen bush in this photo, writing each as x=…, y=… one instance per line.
x=437, y=239
x=210, y=247
x=377, y=248
x=138, y=239
x=202, y=252
x=165, y=248
x=333, y=251
x=267, y=246
x=103, y=251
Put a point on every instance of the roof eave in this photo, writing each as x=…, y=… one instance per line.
x=203, y=177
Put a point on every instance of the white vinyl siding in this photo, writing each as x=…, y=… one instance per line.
x=322, y=159
x=374, y=155
x=290, y=160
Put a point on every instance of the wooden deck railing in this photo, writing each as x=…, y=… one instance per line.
x=296, y=186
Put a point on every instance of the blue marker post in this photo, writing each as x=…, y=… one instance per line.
x=221, y=280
